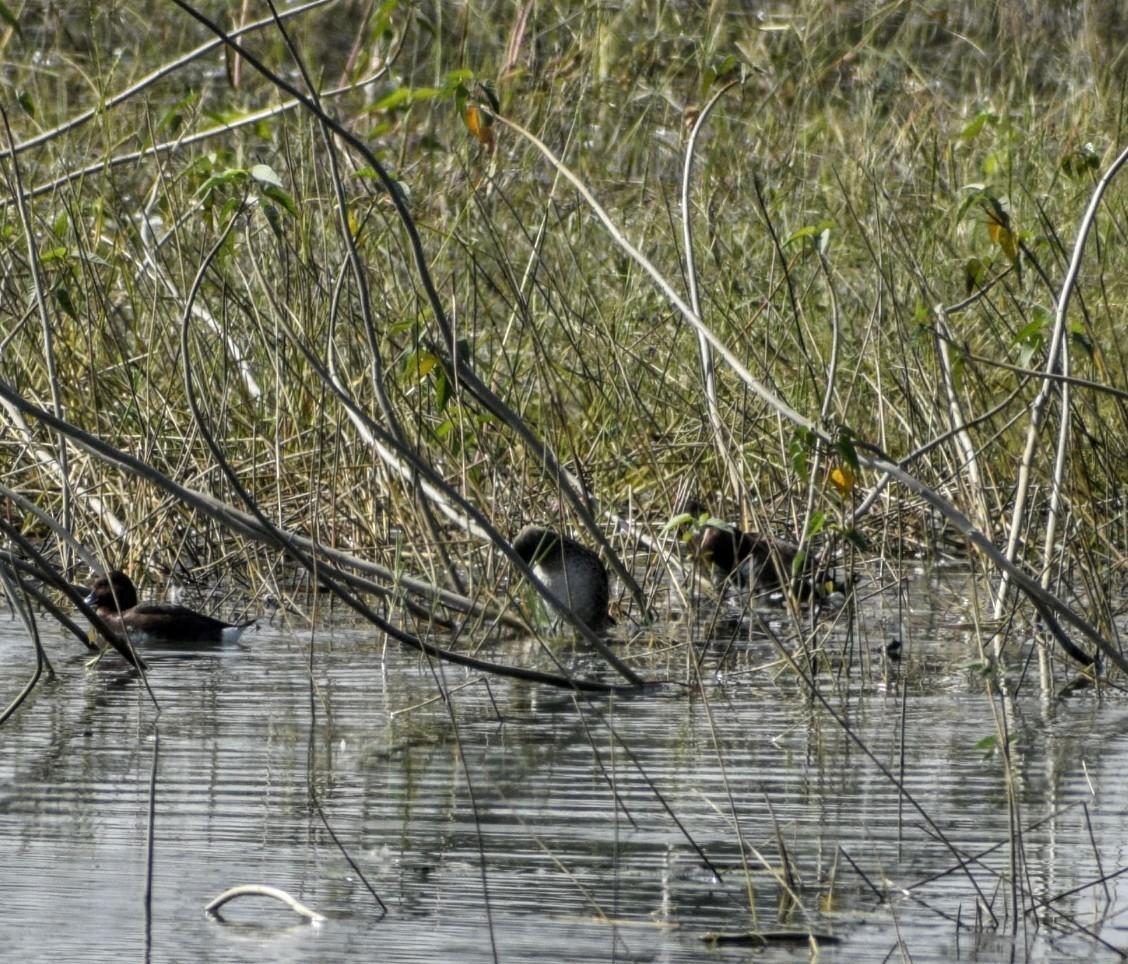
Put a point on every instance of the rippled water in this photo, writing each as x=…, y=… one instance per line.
x=519, y=821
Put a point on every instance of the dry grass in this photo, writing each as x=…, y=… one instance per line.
x=883, y=209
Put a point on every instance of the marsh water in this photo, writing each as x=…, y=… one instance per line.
x=521, y=823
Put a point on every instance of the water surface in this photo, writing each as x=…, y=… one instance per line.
x=525, y=823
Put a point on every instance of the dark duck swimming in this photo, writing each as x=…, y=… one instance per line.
x=114, y=598
x=571, y=571
x=753, y=560
x=747, y=559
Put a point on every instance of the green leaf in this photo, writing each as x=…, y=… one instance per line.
x=797, y=563
x=717, y=72
x=443, y=391
x=58, y=253
x=230, y=208
x=1031, y=339
x=274, y=218
x=233, y=175
x=461, y=98
x=799, y=450
x=978, y=122
x=1080, y=161
x=816, y=523
x=456, y=79
x=403, y=97
x=844, y=446
x=421, y=363
x=62, y=296
x=1035, y=329
x=427, y=93
x=812, y=236
x=26, y=103
x=975, y=273
x=383, y=16
x=1079, y=338
x=683, y=520
x=281, y=198
x=400, y=97
x=975, y=193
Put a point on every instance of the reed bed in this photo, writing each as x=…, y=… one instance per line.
x=343, y=297
x=881, y=211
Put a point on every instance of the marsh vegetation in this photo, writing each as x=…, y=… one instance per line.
x=309, y=311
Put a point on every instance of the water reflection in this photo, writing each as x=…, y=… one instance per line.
x=537, y=825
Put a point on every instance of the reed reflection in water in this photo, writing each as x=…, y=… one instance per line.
x=523, y=822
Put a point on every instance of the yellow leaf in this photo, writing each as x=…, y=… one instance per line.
x=473, y=118
x=480, y=125
x=424, y=362
x=1002, y=235
x=842, y=478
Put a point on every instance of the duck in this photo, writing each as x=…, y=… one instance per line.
x=744, y=558
x=759, y=562
x=114, y=598
x=572, y=572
